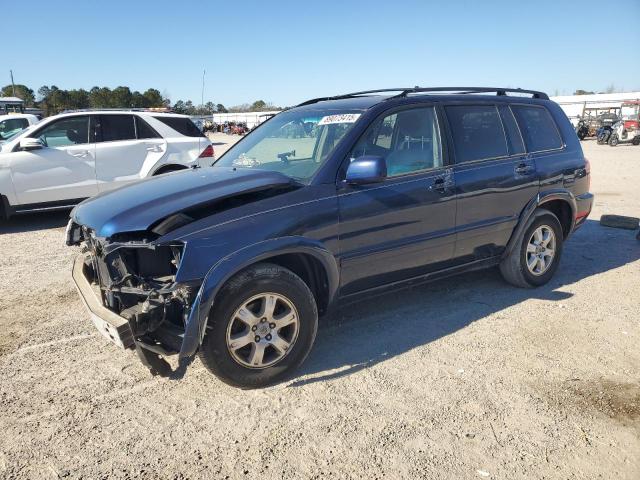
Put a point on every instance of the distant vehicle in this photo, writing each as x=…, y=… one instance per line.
x=12, y=124
x=627, y=129
x=72, y=156
x=582, y=129
x=389, y=188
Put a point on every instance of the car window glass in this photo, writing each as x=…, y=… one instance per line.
x=116, y=127
x=537, y=127
x=144, y=130
x=408, y=140
x=182, y=125
x=11, y=126
x=514, y=139
x=477, y=132
x=65, y=132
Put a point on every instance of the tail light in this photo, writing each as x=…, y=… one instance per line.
x=207, y=152
x=587, y=172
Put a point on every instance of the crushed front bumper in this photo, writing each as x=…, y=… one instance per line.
x=111, y=325
x=117, y=329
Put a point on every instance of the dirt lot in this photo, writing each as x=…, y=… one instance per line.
x=464, y=378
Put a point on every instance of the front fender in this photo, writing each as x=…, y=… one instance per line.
x=233, y=263
x=539, y=201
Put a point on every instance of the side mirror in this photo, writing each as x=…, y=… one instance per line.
x=366, y=169
x=31, y=144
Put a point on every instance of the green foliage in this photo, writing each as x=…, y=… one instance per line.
x=22, y=91
x=53, y=100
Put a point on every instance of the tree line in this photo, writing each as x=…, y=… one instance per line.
x=53, y=100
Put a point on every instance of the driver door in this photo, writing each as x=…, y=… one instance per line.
x=63, y=170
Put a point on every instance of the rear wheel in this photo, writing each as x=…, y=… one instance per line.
x=535, y=256
x=262, y=328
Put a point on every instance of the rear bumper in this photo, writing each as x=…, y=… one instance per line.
x=584, y=203
x=111, y=325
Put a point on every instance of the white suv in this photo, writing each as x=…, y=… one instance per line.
x=13, y=123
x=72, y=156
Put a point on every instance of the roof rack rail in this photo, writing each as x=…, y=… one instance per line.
x=123, y=109
x=404, y=91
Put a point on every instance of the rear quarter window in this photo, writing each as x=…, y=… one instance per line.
x=477, y=132
x=183, y=126
x=537, y=127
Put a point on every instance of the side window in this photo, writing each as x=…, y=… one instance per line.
x=65, y=132
x=537, y=127
x=144, y=130
x=514, y=138
x=12, y=125
x=112, y=128
x=408, y=140
x=182, y=125
x=477, y=132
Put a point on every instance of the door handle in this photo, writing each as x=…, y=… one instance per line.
x=80, y=153
x=154, y=149
x=524, y=169
x=440, y=185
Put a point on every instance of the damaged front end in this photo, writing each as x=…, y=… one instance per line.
x=128, y=284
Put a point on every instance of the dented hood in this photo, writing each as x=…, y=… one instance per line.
x=138, y=206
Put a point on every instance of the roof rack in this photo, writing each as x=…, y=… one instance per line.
x=404, y=91
x=123, y=109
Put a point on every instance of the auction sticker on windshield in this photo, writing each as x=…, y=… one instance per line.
x=343, y=118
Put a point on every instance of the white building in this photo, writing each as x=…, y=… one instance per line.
x=250, y=118
x=575, y=105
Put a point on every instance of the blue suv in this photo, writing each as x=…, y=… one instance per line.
x=333, y=200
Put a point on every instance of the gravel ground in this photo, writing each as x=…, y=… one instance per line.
x=463, y=378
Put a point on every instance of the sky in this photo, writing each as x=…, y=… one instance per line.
x=284, y=52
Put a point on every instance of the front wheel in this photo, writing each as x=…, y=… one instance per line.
x=535, y=257
x=614, y=140
x=261, y=329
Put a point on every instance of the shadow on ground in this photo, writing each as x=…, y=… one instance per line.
x=371, y=331
x=31, y=222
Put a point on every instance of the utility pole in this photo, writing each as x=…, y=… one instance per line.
x=202, y=96
x=13, y=85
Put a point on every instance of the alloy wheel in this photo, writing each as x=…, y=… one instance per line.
x=541, y=250
x=262, y=330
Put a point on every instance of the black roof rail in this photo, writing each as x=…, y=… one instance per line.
x=404, y=91
x=500, y=91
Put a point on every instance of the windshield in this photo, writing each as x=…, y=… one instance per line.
x=629, y=112
x=294, y=143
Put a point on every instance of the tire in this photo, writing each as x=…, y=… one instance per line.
x=259, y=282
x=514, y=267
x=614, y=140
x=635, y=141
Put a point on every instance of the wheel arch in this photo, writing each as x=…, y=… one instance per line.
x=171, y=167
x=308, y=259
x=561, y=202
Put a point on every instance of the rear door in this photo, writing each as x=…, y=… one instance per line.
x=404, y=226
x=124, y=145
x=495, y=178
x=63, y=170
